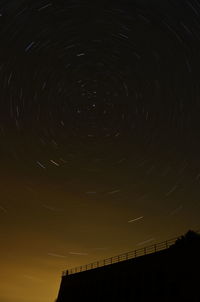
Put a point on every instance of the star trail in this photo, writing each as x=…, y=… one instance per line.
x=99, y=133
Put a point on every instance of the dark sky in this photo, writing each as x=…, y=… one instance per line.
x=99, y=133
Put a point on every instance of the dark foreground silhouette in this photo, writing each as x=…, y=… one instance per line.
x=169, y=275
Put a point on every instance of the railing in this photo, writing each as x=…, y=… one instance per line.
x=122, y=257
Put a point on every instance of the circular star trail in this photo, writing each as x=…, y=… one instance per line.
x=101, y=73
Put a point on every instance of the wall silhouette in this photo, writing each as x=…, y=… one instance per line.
x=169, y=275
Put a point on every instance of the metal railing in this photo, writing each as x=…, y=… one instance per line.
x=122, y=257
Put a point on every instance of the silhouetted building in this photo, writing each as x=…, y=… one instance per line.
x=172, y=274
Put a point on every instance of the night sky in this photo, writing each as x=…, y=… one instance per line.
x=99, y=134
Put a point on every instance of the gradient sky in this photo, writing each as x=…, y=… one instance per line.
x=99, y=134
